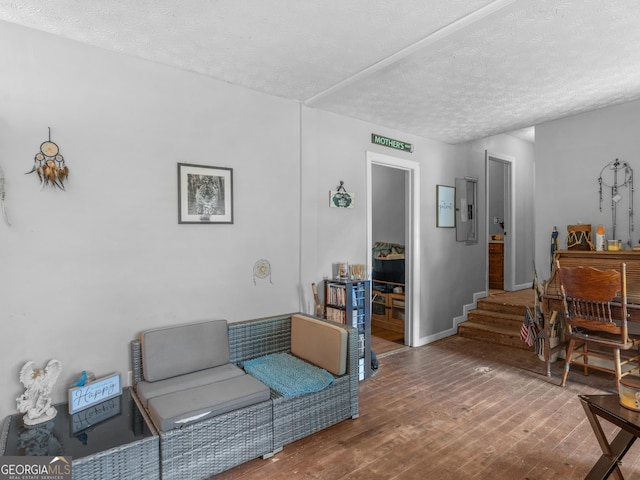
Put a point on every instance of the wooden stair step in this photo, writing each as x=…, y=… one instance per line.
x=492, y=317
x=492, y=333
x=498, y=318
x=496, y=305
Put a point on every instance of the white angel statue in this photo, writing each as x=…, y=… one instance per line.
x=36, y=399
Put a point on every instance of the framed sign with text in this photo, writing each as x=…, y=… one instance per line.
x=95, y=392
x=445, y=205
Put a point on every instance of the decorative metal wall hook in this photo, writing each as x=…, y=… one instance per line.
x=621, y=175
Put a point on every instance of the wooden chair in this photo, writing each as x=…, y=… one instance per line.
x=593, y=319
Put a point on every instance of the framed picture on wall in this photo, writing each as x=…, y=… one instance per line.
x=446, y=206
x=205, y=194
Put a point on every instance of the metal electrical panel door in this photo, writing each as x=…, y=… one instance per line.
x=466, y=211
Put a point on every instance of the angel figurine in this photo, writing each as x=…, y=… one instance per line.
x=35, y=402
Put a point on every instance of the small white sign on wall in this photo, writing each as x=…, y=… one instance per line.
x=94, y=392
x=341, y=199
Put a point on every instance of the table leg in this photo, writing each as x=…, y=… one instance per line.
x=611, y=453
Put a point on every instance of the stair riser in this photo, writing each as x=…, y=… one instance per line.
x=501, y=339
x=498, y=307
x=488, y=319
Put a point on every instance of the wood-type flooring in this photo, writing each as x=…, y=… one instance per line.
x=385, y=342
x=455, y=409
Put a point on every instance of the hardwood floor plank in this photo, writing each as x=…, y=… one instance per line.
x=455, y=409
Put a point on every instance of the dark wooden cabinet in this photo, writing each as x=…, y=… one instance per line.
x=496, y=266
x=387, y=308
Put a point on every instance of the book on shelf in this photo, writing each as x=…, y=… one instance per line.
x=335, y=314
x=336, y=294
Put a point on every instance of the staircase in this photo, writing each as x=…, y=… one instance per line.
x=498, y=318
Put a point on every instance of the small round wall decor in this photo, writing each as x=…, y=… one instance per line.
x=262, y=270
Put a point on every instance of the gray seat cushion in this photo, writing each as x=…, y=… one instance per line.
x=171, y=351
x=196, y=404
x=148, y=390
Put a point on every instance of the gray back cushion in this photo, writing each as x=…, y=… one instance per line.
x=176, y=350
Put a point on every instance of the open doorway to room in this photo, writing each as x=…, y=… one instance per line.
x=392, y=245
x=500, y=224
x=388, y=228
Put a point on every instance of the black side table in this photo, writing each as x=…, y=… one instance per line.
x=110, y=440
x=608, y=407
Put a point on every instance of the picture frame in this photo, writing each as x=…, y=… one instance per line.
x=205, y=194
x=445, y=206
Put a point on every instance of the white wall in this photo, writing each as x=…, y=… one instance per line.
x=333, y=149
x=524, y=160
x=570, y=154
x=82, y=271
x=497, y=181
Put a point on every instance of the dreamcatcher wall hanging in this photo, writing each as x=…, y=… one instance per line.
x=262, y=271
x=615, y=176
x=49, y=165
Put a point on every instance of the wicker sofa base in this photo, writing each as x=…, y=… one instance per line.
x=203, y=449
x=302, y=415
x=135, y=460
x=206, y=448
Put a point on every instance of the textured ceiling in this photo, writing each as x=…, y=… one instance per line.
x=450, y=70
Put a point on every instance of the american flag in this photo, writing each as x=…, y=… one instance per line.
x=528, y=331
x=539, y=331
x=540, y=343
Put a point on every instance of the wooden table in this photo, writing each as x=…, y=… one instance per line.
x=608, y=408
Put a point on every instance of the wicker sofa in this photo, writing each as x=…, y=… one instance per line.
x=207, y=446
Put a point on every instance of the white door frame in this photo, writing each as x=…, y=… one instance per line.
x=412, y=232
x=509, y=215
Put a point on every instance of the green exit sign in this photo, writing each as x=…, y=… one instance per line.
x=391, y=143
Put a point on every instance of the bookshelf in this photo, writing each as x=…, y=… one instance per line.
x=350, y=303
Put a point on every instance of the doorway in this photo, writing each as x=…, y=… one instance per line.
x=388, y=227
x=500, y=226
x=406, y=192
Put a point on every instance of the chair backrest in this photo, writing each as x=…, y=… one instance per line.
x=587, y=296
